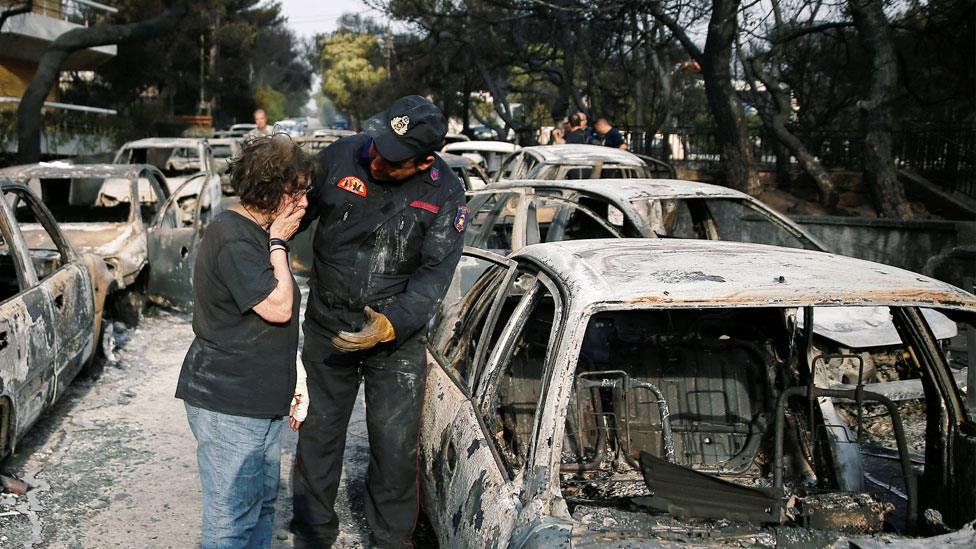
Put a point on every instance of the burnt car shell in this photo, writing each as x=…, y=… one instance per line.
x=51, y=310
x=526, y=442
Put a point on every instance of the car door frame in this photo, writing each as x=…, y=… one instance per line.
x=453, y=427
x=519, y=232
x=168, y=284
x=561, y=214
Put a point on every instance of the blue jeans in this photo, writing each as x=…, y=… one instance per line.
x=240, y=462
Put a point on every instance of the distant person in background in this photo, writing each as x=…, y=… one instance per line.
x=609, y=136
x=556, y=137
x=577, y=130
x=261, y=121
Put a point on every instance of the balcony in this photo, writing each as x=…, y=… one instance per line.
x=25, y=37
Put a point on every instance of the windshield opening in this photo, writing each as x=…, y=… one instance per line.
x=673, y=415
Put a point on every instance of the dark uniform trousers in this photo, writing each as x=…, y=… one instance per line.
x=394, y=398
x=393, y=247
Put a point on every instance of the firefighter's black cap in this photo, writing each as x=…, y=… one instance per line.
x=410, y=127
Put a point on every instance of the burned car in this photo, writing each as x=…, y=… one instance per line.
x=125, y=215
x=511, y=214
x=616, y=392
x=177, y=158
x=488, y=154
x=579, y=162
x=50, y=313
x=471, y=174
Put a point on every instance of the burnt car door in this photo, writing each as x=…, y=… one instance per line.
x=173, y=241
x=469, y=496
x=67, y=283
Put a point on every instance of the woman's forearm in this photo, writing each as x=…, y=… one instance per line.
x=277, y=307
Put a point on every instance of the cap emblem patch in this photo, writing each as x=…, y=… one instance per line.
x=461, y=219
x=400, y=124
x=353, y=185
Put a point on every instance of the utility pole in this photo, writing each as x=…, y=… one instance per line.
x=389, y=49
x=202, y=107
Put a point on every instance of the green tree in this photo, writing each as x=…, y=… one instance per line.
x=352, y=73
x=272, y=101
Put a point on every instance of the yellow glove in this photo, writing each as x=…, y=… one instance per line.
x=378, y=329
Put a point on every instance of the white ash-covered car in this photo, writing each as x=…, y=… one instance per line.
x=125, y=215
x=321, y=139
x=580, y=162
x=489, y=154
x=51, y=300
x=177, y=158
x=509, y=215
x=628, y=392
x=471, y=174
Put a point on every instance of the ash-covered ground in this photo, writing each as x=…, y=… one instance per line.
x=113, y=462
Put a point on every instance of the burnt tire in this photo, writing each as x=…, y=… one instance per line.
x=126, y=306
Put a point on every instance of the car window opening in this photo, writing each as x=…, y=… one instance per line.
x=698, y=391
x=45, y=254
x=9, y=281
x=518, y=387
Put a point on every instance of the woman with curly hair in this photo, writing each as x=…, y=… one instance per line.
x=239, y=375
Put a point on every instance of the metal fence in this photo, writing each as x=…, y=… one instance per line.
x=945, y=156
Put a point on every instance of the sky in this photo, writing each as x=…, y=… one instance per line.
x=308, y=17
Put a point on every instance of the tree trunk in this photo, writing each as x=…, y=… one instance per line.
x=876, y=109
x=723, y=101
x=776, y=117
x=49, y=68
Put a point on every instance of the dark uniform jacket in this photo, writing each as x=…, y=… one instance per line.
x=390, y=245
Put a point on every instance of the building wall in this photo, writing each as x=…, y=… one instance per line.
x=15, y=76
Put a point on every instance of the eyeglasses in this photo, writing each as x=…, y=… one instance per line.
x=301, y=191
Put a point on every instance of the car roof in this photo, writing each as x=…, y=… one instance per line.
x=481, y=146
x=164, y=142
x=63, y=170
x=627, y=190
x=583, y=154
x=649, y=273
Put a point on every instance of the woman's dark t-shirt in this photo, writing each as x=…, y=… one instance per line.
x=238, y=364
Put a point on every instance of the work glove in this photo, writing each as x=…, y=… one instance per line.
x=299, y=402
x=378, y=329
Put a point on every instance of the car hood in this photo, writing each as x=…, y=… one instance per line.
x=101, y=239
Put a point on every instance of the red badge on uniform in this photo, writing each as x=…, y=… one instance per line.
x=353, y=185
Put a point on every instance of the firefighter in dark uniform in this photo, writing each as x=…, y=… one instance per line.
x=391, y=217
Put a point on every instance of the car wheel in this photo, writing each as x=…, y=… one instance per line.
x=126, y=306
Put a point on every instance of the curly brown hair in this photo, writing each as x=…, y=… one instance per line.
x=268, y=168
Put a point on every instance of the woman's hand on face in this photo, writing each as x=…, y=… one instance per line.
x=285, y=225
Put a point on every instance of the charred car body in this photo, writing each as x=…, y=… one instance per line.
x=178, y=158
x=617, y=391
x=50, y=313
x=488, y=154
x=125, y=215
x=509, y=215
x=557, y=162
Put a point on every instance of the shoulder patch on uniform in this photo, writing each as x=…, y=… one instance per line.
x=435, y=174
x=461, y=219
x=352, y=184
